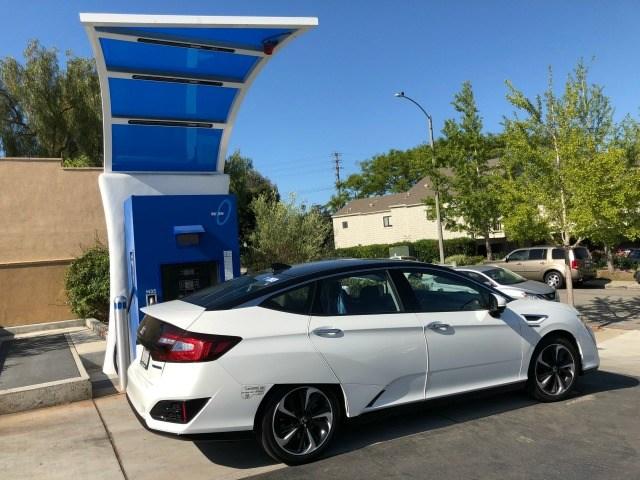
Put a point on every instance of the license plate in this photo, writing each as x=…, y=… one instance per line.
x=144, y=358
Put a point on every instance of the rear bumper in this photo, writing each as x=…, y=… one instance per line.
x=226, y=411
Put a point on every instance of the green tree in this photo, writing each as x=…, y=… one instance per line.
x=573, y=162
x=46, y=110
x=470, y=197
x=286, y=232
x=393, y=172
x=247, y=184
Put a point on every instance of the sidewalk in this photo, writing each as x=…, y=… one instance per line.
x=101, y=439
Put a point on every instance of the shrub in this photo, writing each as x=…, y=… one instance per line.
x=87, y=284
x=423, y=250
x=461, y=260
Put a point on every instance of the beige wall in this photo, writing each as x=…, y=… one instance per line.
x=48, y=214
x=33, y=294
x=408, y=225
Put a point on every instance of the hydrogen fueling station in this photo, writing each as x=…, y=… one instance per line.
x=171, y=88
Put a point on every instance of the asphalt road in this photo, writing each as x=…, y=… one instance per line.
x=612, y=307
x=594, y=435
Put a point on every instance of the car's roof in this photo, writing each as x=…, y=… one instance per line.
x=337, y=265
x=479, y=268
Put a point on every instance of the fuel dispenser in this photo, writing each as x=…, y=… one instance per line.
x=176, y=245
x=171, y=87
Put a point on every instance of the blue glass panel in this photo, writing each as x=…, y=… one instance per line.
x=142, y=148
x=171, y=101
x=238, y=37
x=161, y=59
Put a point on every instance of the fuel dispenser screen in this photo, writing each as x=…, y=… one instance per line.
x=180, y=280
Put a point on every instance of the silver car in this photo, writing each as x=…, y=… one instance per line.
x=510, y=283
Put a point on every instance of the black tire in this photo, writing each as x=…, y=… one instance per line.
x=638, y=276
x=550, y=378
x=554, y=278
x=308, y=415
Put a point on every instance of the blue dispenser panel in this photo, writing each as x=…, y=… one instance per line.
x=176, y=244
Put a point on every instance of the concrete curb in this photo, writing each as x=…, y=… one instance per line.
x=51, y=393
x=623, y=284
x=98, y=327
x=40, y=327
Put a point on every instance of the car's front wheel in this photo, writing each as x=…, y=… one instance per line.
x=553, y=370
x=298, y=423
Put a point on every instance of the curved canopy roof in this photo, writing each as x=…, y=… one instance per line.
x=172, y=85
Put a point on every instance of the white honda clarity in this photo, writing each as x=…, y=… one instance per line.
x=290, y=353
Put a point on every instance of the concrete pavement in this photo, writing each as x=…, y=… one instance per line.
x=614, y=308
x=596, y=434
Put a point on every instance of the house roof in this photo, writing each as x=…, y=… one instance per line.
x=414, y=196
x=421, y=190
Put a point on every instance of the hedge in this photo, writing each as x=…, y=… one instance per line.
x=87, y=284
x=424, y=250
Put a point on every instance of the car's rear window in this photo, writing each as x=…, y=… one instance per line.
x=581, y=253
x=236, y=291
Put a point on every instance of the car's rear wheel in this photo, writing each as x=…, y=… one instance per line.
x=553, y=371
x=298, y=423
x=554, y=279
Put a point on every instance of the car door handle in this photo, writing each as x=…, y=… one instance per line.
x=439, y=327
x=328, y=332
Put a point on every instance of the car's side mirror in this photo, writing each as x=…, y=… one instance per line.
x=497, y=304
x=506, y=259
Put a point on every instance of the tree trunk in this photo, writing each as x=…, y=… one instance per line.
x=487, y=245
x=609, y=253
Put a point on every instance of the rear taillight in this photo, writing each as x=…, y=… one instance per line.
x=176, y=345
x=574, y=264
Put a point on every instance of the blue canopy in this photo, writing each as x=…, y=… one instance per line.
x=171, y=85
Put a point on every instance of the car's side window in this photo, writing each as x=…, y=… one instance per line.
x=297, y=300
x=368, y=293
x=538, y=254
x=442, y=292
x=519, y=255
x=558, y=254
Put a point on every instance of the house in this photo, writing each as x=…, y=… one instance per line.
x=400, y=217
x=48, y=215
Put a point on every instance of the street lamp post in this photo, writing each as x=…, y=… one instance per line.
x=435, y=186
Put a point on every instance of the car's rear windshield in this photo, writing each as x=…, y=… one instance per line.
x=504, y=276
x=236, y=291
x=581, y=253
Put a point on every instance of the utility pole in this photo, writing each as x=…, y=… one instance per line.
x=337, y=159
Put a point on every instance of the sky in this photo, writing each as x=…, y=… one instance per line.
x=331, y=90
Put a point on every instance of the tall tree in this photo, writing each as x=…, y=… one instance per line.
x=247, y=184
x=471, y=199
x=286, y=232
x=574, y=162
x=46, y=110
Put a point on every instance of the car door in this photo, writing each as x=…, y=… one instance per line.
x=515, y=260
x=535, y=265
x=373, y=345
x=467, y=347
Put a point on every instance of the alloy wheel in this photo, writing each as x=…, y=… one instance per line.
x=554, y=280
x=555, y=369
x=302, y=420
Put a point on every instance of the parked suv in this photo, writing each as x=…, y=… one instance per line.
x=547, y=264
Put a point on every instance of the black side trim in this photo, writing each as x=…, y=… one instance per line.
x=373, y=400
x=170, y=43
x=190, y=81
x=167, y=123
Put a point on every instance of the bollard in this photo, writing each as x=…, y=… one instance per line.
x=122, y=339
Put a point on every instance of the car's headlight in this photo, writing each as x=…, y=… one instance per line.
x=522, y=294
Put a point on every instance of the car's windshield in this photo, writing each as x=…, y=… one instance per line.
x=234, y=292
x=504, y=276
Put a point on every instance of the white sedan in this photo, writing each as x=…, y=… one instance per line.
x=291, y=352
